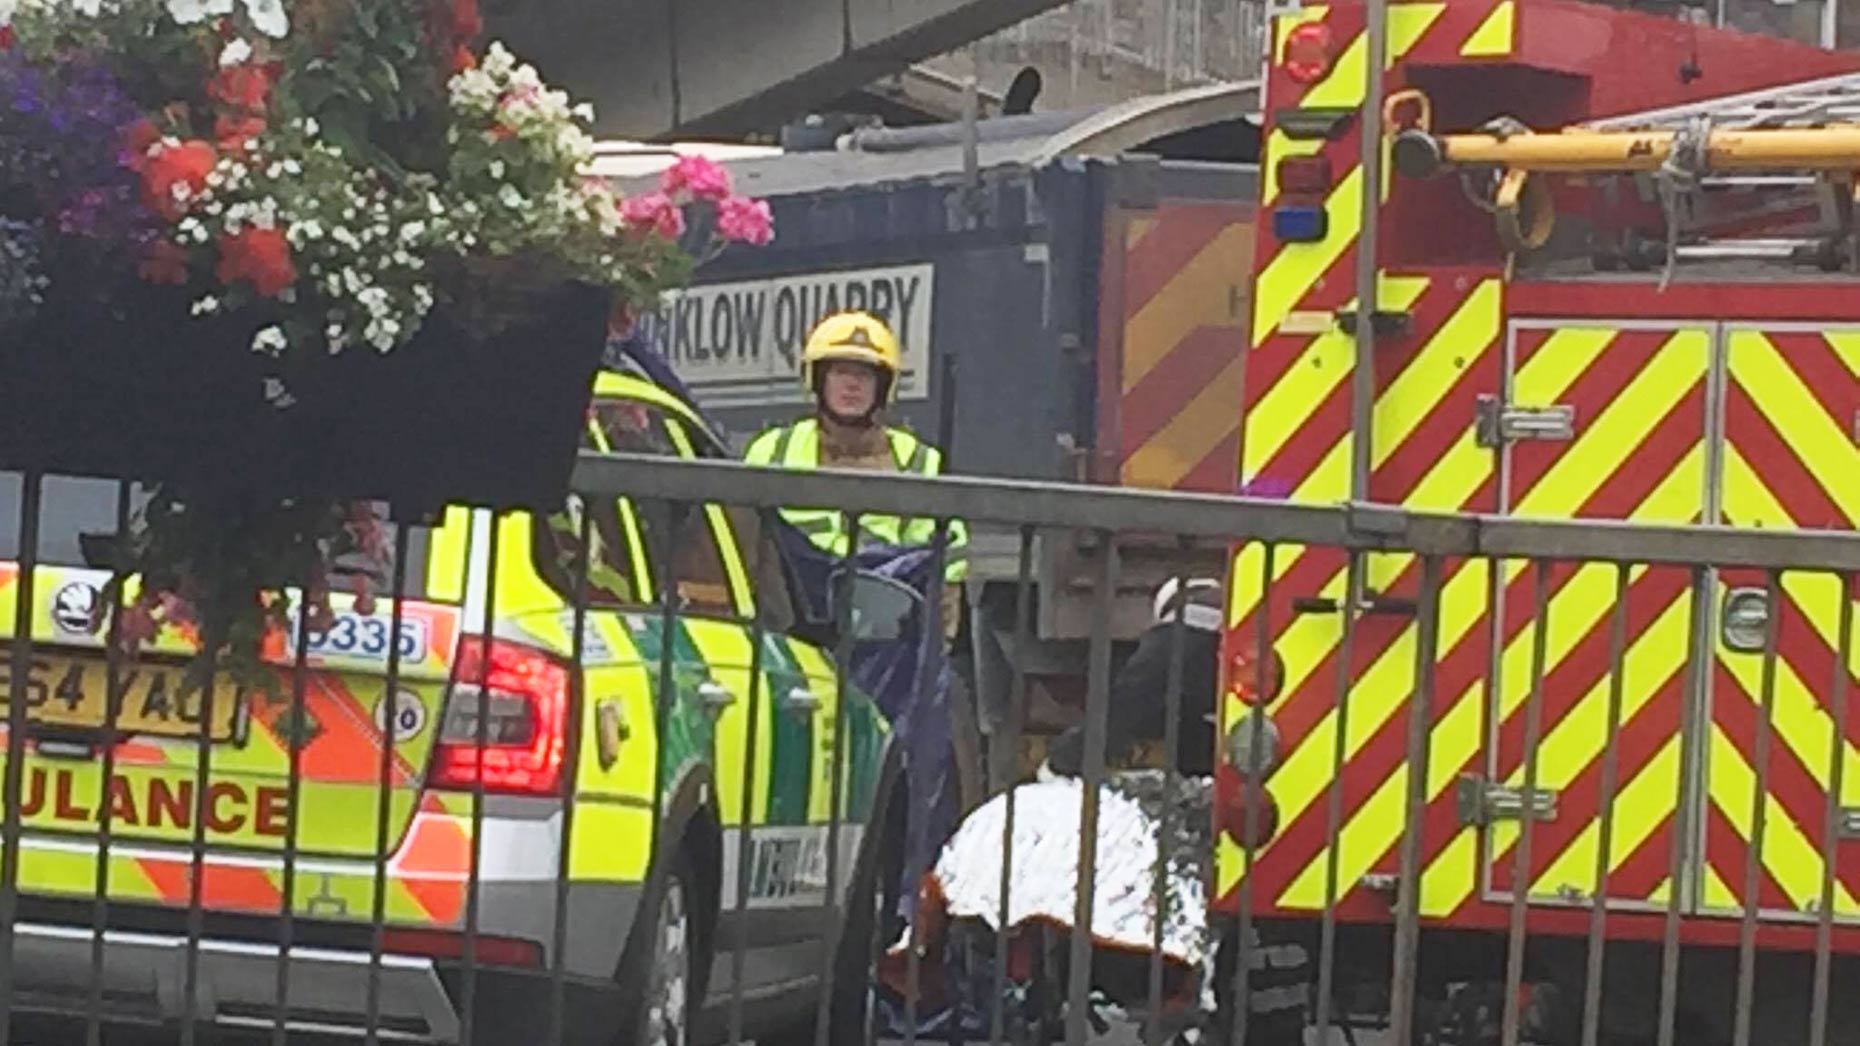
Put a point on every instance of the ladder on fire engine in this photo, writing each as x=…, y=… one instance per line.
x=1794, y=139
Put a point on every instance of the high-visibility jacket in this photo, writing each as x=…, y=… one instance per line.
x=798, y=446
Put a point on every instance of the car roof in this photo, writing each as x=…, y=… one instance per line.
x=616, y=384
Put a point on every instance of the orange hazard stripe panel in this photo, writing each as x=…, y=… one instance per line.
x=1185, y=276
x=1792, y=394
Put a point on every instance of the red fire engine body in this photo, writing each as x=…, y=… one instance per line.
x=1568, y=371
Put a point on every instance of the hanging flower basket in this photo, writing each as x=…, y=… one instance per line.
x=458, y=413
x=282, y=257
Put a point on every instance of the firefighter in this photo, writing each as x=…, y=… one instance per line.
x=851, y=366
x=1140, y=692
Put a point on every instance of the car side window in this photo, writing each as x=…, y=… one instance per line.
x=619, y=571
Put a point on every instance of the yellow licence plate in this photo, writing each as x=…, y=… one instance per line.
x=74, y=692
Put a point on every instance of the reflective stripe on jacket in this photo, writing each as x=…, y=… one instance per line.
x=797, y=446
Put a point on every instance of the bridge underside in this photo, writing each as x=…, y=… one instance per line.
x=662, y=68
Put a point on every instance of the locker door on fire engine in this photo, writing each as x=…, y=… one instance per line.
x=1593, y=420
x=1791, y=402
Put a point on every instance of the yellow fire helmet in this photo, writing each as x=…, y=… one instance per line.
x=857, y=336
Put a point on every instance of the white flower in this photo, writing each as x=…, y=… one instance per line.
x=310, y=126
x=88, y=8
x=187, y=12
x=208, y=304
x=268, y=17
x=236, y=52
x=7, y=9
x=510, y=197
x=584, y=112
x=497, y=169
x=270, y=341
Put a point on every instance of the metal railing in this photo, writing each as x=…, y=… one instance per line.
x=175, y=935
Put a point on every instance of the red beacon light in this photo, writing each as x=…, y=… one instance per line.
x=1307, y=54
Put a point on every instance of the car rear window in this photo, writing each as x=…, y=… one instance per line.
x=72, y=506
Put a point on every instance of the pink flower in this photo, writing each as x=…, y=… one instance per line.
x=700, y=177
x=656, y=210
x=743, y=220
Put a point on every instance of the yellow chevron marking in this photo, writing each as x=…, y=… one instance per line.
x=1194, y=297
x=1494, y=36
x=1718, y=895
x=1452, y=876
x=1792, y=860
x=1642, y=806
x=1320, y=368
x=1576, y=742
x=1802, y=724
x=1827, y=451
x=1846, y=345
x=1292, y=272
x=1748, y=502
x=1407, y=24
x=1381, y=690
x=1416, y=393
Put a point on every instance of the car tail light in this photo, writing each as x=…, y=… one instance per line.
x=446, y=944
x=1304, y=175
x=523, y=693
x=1307, y=53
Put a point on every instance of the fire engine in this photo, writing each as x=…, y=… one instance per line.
x=1609, y=264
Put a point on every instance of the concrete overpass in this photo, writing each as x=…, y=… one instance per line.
x=656, y=68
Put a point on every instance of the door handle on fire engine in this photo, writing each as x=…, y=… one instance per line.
x=802, y=701
x=715, y=696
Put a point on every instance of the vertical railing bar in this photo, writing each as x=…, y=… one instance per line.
x=1333, y=825
x=1697, y=671
x=1243, y=935
x=293, y=796
x=1759, y=816
x=836, y=802
x=1097, y=708
x=114, y=686
x=384, y=793
x=1172, y=735
x=1831, y=824
x=1017, y=711
x=758, y=636
x=1408, y=887
x=1517, y=933
x=468, y=976
x=571, y=762
x=31, y=490
x=914, y=950
x=664, y=575
x=197, y=847
x=1611, y=768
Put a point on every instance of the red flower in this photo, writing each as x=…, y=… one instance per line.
x=260, y=257
x=165, y=262
x=174, y=174
x=6, y=38
x=463, y=59
x=232, y=132
x=243, y=88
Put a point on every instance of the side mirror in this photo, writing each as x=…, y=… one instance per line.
x=880, y=606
